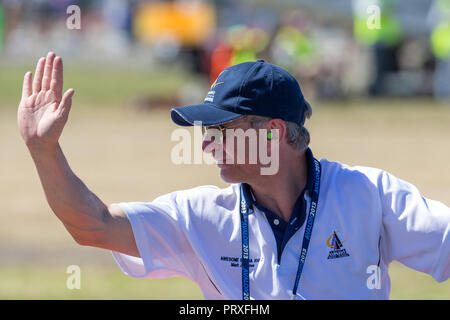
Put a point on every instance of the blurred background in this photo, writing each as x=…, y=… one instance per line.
x=377, y=74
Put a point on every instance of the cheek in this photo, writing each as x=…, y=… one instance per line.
x=205, y=144
x=242, y=153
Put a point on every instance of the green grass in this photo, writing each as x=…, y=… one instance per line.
x=407, y=284
x=42, y=283
x=101, y=86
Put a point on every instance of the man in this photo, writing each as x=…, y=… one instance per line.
x=309, y=230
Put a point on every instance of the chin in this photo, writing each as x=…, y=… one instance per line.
x=229, y=174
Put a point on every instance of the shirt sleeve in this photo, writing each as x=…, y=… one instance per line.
x=416, y=230
x=161, y=237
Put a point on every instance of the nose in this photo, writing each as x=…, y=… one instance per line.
x=216, y=148
x=208, y=144
x=205, y=144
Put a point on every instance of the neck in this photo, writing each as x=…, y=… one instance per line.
x=279, y=192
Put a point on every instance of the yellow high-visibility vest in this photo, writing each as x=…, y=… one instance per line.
x=389, y=31
x=440, y=36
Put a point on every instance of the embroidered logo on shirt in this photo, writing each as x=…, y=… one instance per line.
x=337, y=245
x=237, y=261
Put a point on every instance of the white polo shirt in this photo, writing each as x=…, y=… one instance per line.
x=365, y=219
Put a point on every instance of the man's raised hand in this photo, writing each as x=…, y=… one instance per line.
x=43, y=110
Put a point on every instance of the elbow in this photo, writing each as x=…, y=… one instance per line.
x=87, y=237
x=80, y=241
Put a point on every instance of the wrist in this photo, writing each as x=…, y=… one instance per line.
x=37, y=148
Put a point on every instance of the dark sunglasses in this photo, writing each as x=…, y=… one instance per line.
x=209, y=130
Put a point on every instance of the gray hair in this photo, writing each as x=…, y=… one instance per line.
x=297, y=136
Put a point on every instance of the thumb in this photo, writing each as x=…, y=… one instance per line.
x=66, y=102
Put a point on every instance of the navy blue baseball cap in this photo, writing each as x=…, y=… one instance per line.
x=249, y=88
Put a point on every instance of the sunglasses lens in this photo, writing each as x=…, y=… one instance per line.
x=213, y=133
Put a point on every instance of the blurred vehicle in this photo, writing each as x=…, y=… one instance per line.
x=175, y=26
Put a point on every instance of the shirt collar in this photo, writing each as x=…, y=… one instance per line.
x=247, y=192
x=310, y=170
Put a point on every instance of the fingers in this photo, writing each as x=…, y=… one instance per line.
x=38, y=75
x=48, y=75
x=48, y=71
x=26, y=87
x=56, y=84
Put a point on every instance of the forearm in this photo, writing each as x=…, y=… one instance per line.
x=80, y=210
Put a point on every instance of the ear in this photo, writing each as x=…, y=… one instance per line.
x=277, y=126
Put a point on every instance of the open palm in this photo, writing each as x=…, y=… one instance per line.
x=43, y=110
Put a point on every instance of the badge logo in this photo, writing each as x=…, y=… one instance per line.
x=215, y=84
x=336, y=244
x=211, y=93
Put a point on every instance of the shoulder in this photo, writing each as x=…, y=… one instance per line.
x=186, y=206
x=354, y=180
x=202, y=199
x=203, y=193
x=337, y=171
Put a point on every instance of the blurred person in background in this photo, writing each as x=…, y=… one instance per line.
x=383, y=39
x=2, y=26
x=439, y=18
x=247, y=43
x=294, y=48
x=221, y=56
x=237, y=44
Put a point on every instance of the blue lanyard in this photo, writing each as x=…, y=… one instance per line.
x=305, y=242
